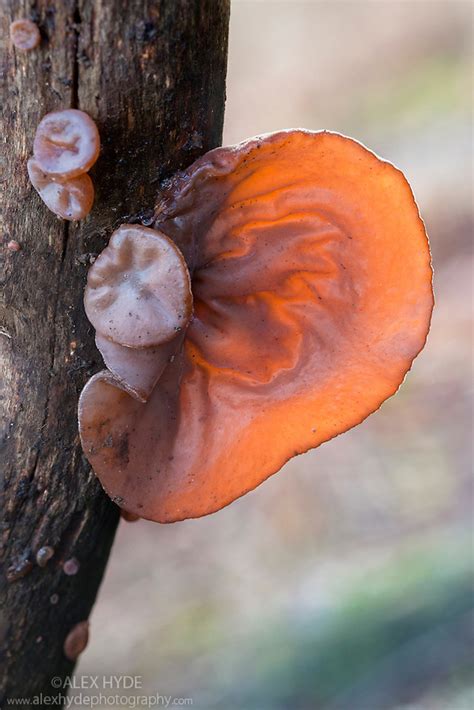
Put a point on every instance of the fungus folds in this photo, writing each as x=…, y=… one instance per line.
x=65, y=147
x=66, y=143
x=71, y=200
x=138, y=291
x=311, y=288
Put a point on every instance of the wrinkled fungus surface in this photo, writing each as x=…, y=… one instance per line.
x=24, y=35
x=71, y=200
x=138, y=291
x=312, y=293
x=66, y=143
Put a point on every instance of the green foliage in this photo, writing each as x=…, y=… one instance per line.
x=404, y=631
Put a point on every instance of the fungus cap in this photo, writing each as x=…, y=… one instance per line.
x=24, y=35
x=66, y=143
x=312, y=296
x=138, y=291
x=72, y=200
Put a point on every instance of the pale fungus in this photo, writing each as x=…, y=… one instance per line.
x=71, y=200
x=24, y=35
x=65, y=147
x=66, y=143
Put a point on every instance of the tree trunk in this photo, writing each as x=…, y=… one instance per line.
x=152, y=75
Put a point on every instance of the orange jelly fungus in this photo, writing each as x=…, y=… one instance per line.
x=66, y=144
x=71, y=200
x=24, y=35
x=311, y=282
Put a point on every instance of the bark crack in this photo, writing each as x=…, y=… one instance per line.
x=75, y=63
x=74, y=103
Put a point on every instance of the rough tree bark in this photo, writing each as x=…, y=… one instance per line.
x=152, y=74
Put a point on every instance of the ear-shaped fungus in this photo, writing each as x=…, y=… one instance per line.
x=312, y=294
x=66, y=144
x=138, y=297
x=71, y=200
x=138, y=291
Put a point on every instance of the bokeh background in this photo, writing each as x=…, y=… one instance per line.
x=343, y=582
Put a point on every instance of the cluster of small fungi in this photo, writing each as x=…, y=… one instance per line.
x=65, y=147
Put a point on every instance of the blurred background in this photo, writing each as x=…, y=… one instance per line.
x=345, y=581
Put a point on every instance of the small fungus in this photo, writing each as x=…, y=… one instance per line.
x=71, y=199
x=24, y=35
x=311, y=283
x=54, y=598
x=71, y=567
x=19, y=570
x=43, y=555
x=66, y=144
x=138, y=291
x=13, y=245
x=76, y=640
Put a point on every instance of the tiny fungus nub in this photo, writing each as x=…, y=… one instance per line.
x=24, y=34
x=71, y=567
x=19, y=570
x=43, y=555
x=76, y=641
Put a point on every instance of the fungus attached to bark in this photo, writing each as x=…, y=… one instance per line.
x=66, y=144
x=76, y=641
x=71, y=200
x=71, y=567
x=44, y=555
x=138, y=292
x=24, y=35
x=311, y=280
